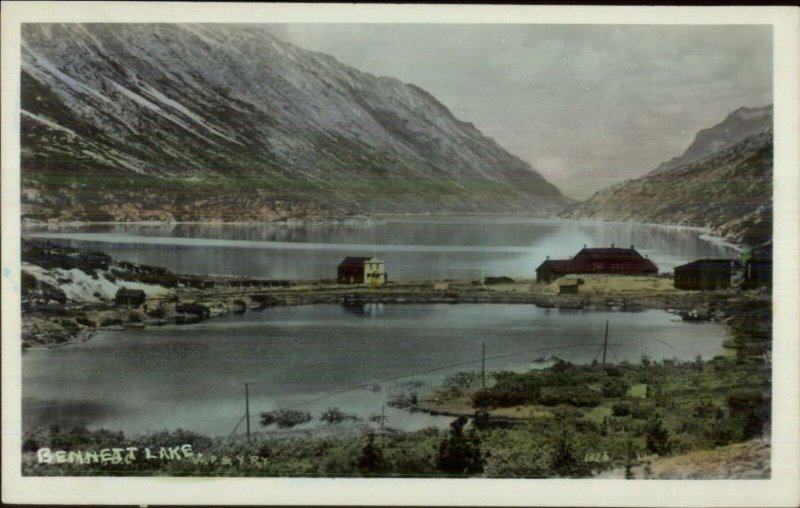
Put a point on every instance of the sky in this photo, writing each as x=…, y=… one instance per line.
x=586, y=105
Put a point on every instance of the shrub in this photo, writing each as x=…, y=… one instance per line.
x=460, y=454
x=615, y=387
x=69, y=326
x=745, y=401
x=371, y=459
x=640, y=412
x=334, y=416
x=285, y=418
x=657, y=436
x=704, y=409
x=561, y=366
x=563, y=459
x=563, y=413
x=85, y=322
x=459, y=381
x=579, y=396
x=500, y=397
x=621, y=409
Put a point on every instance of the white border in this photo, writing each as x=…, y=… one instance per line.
x=781, y=490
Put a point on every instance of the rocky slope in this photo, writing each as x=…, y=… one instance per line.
x=718, y=183
x=227, y=122
x=741, y=124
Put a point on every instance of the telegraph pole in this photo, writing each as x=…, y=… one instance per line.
x=483, y=364
x=247, y=407
x=605, y=344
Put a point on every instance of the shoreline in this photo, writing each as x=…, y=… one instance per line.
x=711, y=306
x=705, y=233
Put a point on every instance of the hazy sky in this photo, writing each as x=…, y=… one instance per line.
x=585, y=105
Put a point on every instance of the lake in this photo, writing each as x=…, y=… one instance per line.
x=320, y=356
x=435, y=247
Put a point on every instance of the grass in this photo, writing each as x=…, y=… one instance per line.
x=692, y=406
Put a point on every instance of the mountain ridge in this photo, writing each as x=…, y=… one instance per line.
x=737, y=125
x=220, y=109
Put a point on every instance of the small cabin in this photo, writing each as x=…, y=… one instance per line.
x=130, y=297
x=706, y=274
x=361, y=270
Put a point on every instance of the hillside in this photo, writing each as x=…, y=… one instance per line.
x=740, y=124
x=725, y=186
x=225, y=122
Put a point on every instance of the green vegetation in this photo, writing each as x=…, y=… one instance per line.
x=567, y=421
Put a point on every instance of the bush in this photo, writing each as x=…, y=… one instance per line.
x=657, y=437
x=285, y=418
x=563, y=459
x=460, y=454
x=459, y=381
x=745, y=401
x=615, y=388
x=579, y=396
x=85, y=322
x=371, y=460
x=621, y=409
x=334, y=416
x=563, y=413
x=69, y=326
x=640, y=412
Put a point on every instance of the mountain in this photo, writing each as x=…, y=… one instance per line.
x=740, y=124
x=226, y=122
x=724, y=184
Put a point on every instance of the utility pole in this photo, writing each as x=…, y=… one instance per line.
x=247, y=407
x=483, y=364
x=605, y=344
x=383, y=415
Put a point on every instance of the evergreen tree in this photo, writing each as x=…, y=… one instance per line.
x=657, y=436
x=460, y=453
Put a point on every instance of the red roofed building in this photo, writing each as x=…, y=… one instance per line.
x=601, y=260
x=361, y=270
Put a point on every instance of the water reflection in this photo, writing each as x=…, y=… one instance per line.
x=412, y=248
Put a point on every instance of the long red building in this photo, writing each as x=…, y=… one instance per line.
x=610, y=260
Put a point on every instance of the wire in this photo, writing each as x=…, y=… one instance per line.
x=237, y=426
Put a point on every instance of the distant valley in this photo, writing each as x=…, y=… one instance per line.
x=723, y=181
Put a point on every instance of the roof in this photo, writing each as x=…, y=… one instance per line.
x=608, y=254
x=564, y=265
x=709, y=264
x=355, y=261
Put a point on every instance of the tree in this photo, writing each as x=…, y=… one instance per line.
x=371, y=460
x=657, y=436
x=460, y=454
x=563, y=461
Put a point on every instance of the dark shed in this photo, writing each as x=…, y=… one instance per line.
x=706, y=274
x=127, y=296
x=758, y=269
